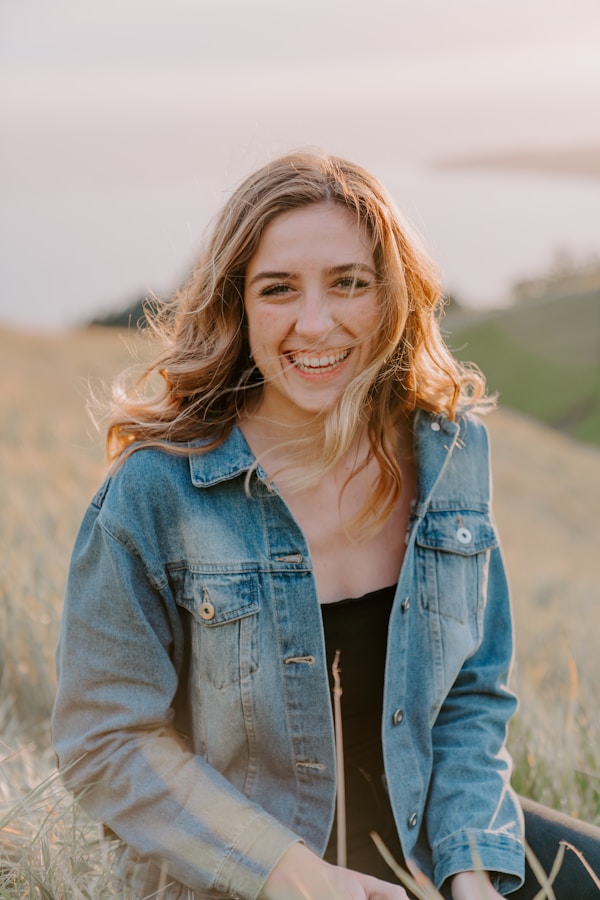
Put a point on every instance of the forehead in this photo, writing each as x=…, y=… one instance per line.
x=321, y=231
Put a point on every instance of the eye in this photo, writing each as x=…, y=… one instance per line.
x=275, y=290
x=352, y=283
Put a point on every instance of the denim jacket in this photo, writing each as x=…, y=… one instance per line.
x=193, y=705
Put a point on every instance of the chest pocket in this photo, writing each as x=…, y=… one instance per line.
x=224, y=607
x=453, y=558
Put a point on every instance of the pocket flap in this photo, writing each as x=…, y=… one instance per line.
x=456, y=531
x=215, y=599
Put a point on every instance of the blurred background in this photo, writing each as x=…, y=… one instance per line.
x=125, y=123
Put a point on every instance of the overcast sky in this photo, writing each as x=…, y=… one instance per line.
x=69, y=34
x=123, y=122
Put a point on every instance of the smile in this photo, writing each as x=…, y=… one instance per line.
x=322, y=363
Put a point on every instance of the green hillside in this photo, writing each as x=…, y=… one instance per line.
x=541, y=356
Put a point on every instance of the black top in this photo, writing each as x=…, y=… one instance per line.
x=358, y=628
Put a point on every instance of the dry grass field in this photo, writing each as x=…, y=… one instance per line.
x=547, y=497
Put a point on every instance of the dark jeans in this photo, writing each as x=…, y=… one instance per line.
x=544, y=830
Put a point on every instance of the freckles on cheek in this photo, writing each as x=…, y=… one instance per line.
x=266, y=332
x=267, y=326
x=367, y=323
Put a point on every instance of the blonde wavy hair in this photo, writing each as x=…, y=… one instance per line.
x=207, y=376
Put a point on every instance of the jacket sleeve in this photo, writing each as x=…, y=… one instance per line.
x=114, y=730
x=483, y=827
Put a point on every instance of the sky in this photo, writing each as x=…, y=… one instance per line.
x=125, y=123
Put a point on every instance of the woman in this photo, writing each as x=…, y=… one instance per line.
x=309, y=478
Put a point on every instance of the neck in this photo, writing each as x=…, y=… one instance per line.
x=289, y=450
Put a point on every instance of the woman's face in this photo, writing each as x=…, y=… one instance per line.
x=312, y=309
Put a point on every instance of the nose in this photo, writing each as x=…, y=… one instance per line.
x=314, y=316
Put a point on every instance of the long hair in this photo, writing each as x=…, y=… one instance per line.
x=207, y=376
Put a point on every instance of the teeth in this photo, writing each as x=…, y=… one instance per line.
x=319, y=362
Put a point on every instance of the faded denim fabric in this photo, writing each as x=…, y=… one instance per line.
x=193, y=705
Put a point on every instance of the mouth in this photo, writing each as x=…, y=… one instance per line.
x=318, y=363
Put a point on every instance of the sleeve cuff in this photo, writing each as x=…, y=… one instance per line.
x=502, y=855
x=253, y=857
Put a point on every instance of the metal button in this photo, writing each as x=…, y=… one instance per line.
x=464, y=535
x=435, y=426
x=207, y=611
x=413, y=820
x=405, y=605
x=398, y=716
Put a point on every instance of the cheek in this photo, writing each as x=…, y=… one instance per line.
x=367, y=322
x=266, y=330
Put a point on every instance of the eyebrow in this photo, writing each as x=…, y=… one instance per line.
x=332, y=270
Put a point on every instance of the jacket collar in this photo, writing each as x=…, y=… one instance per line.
x=435, y=437
x=231, y=458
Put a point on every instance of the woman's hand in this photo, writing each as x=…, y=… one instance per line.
x=301, y=875
x=473, y=886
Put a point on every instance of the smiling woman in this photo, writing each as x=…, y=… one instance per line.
x=309, y=485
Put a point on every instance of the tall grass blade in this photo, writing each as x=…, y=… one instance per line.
x=583, y=862
x=416, y=882
x=546, y=881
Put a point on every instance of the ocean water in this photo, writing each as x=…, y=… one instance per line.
x=491, y=229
